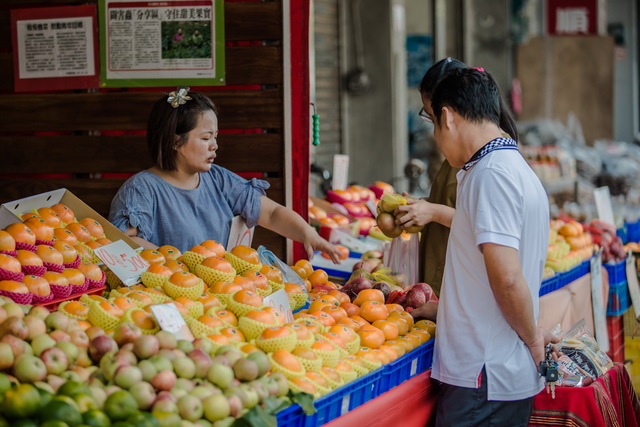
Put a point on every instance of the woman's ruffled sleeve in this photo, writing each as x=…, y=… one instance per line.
x=248, y=205
x=132, y=207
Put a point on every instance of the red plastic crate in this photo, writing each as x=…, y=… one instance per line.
x=53, y=304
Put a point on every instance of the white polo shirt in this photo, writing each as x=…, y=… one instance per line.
x=500, y=200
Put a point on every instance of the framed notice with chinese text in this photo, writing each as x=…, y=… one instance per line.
x=55, y=48
x=167, y=43
x=572, y=17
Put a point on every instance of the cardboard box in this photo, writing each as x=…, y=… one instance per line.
x=10, y=212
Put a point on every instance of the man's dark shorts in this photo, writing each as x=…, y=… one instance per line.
x=462, y=407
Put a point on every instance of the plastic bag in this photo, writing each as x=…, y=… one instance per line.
x=268, y=257
x=402, y=257
x=579, y=345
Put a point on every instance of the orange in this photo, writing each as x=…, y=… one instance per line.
x=336, y=312
x=83, y=251
x=428, y=325
x=330, y=284
x=246, y=253
x=323, y=344
x=276, y=332
x=28, y=258
x=385, y=356
x=28, y=215
x=64, y=212
x=219, y=264
x=340, y=296
x=403, y=326
x=56, y=278
x=123, y=290
x=219, y=339
x=37, y=285
x=331, y=373
x=69, y=254
x=306, y=266
x=329, y=222
x=13, y=286
x=83, y=324
x=360, y=321
x=371, y=337
x=93, y=244
x=181, y=308
x=80, y=231
x=124, y=303
x=396, y=346
x=143, y=319
x=313, y=327
x=140, y=297
x=184, y=279
x=40, y=228
x=325, y=318
x=367, y=353
x=209, y=300
x=423, y=334
x=103, y=241
x=223, y=288
x=90, y=271
x=111, y=308
x=394, y=307
x=215, y=247
x=305, y=353
x=304, y=384
x=245, y=283
x=93, y=226
x=330, y=299
x=186, y=302
x=369, y=295
x=176, y=266
x=350, y=323
x=234, y=334
x=74, y=276
x=50, y=216
x=21, y=233
x=247, y=298
x=346, y=333
x=205, y=252
x=169, y=252
x=343, y=366
x=337, y=339
x=389, y=329
x=277, y=314
x=152, y=256
x=301, y=331
x=415, y=339
x=317, y=212
x=317, y=306
x=261, y=316
x=373, y=310
x=319, y=276
x=272, y=273
x=211, y=321
x=227, y=317
x=160, y=269
x=316, y=378
x=300, y=272
x=249, y=348
x=408, y=317
x=259, y=280
x=64, y=235
x=292, y=288
x=7, y=243
x=409, y=344
x=350, y=308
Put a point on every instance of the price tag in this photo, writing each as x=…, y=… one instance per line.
x=632, y=282
x=597, y=299
x=344, y=408
x=170, y=319
x=123, y=261
x=414, y=367
x=280, y=300
x=239, y=233
x=372, y=208
x=602, y=198
x=340, y=172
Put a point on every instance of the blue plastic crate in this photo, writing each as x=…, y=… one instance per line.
x=619, y=299
x=622, y=234
x=617, y=272
x=408, y=366
x=334, y=404
x=633, y=231
x=549, y=284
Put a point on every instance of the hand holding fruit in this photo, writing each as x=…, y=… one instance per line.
x=413, y=216
x=388, y=211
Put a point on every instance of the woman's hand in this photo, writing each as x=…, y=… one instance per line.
x=313, y=242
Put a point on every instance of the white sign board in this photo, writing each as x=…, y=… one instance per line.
x=280, y=300
x=170, y=319
x=340, y=172
x=599, y=308
x=239, y=233
x=603, y=205
x=123, y=261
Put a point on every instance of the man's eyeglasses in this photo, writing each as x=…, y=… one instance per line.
x=424, y=116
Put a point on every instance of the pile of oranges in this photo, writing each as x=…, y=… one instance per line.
x=49, y=255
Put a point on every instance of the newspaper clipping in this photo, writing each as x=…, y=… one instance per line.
x=160, y=40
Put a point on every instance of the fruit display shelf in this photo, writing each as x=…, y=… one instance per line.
x=53, y=304
x=563, y=278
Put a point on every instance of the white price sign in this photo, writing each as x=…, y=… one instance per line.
x=239, y=233
x=602, y=198
x=598, y=304
x=123, y=261
x=280, y=300
x=340, y=172
x=170, y=319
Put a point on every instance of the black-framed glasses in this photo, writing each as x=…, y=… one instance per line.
x=425, y=116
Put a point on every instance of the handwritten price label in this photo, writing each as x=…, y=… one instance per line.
x=280, y=300
x=123, y=261
x=170, y=319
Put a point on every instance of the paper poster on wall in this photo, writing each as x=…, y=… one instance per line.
x=55, y=48
x=150, y=43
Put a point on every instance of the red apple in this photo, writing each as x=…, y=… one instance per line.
x=101, y=345
x=55, y=360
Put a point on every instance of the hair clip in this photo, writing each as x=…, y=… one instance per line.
x=479, y=69
x=176, y=99
x=449, y=59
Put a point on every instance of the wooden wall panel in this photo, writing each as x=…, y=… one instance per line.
x=578, y=67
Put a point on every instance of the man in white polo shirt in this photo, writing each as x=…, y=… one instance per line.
x=488, y=347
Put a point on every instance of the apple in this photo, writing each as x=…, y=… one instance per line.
x=185, y=345
x=84, y=373
x=18, y=346
x=55, y=360
x=164, y=406
x=6, y=356
x=55, y=381
x=127, y=355
x=39, y=311
x=127, y=375
x=216, y=407
x=201, y=392
x=99, y=395
x=283, y=384
x=168, y=354
x=94, y=331
x=120, y=405
x=167, y=339
x=146, y=346
x=190, y=408
x=44, y=386
x=79, y=338
x=221, y=359
x=15, y=326
x=126, y=332
x=161, y=363
x=185, y=384
x=70, y=350
x=235, y=405
x=184, y=367
x=252, y=396
x=164, y=380
x=261, y=389
x=71, y=376
x=110, y=389
x=144, y=394
x=35, y=326
x=101, y=345
x=83, y=358
x=57, y=320
x=220, y=375
x=205, y=345
x=14, y=309
x=245, y=369
x=3, y=314
x=178, y=392
x=85, y=402
x=202, y=361
x=30, y=369
x=59, y=335
x=148, y=369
